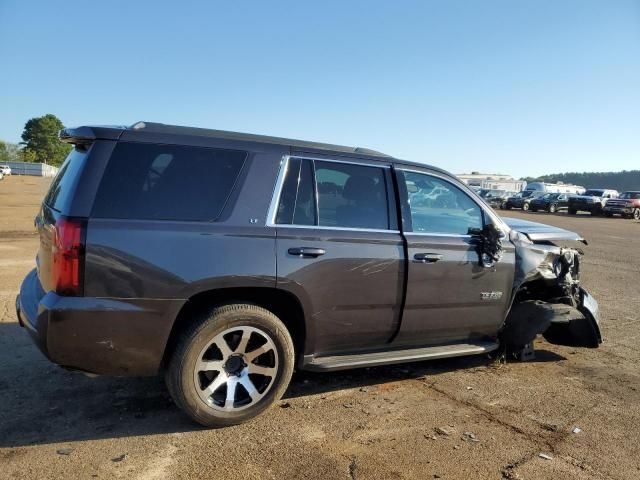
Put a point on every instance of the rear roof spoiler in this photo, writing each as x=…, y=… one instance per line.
x=87, y=135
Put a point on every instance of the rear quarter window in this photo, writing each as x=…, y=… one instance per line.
x=61, y=190
x=167, y=182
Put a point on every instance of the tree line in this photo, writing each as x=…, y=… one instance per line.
x=39, y=143
x=621, y=181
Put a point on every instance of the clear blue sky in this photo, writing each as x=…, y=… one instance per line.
x=520, y=87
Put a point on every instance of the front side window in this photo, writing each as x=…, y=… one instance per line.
x=344, y=195
x=438, y=206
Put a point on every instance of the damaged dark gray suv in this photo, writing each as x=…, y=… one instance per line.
x=225, y=260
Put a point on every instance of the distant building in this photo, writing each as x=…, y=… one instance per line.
x=492, y=181
x=32, y=168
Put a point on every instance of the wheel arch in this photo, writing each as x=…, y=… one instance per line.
x=284, y=305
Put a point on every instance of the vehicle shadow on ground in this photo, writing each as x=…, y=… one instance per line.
x=41, y=403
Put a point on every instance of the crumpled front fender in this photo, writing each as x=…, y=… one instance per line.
x=547, y=299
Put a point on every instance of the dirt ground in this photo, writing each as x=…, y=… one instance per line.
x=417, y=420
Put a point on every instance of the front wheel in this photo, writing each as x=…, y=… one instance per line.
x=525, y=207
x=230, y=365
x=553, y=208
x=636, y=213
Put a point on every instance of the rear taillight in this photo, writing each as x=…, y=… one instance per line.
x=67, y=255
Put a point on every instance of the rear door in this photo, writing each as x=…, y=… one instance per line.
x=450, y=297
x=339, y=250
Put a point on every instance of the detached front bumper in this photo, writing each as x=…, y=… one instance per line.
x=577, y=330
x=97, y=335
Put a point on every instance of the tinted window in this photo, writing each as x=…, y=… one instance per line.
x=63, y=184
x=351, y=196
x=630, y=195
x=167, y=182
x=593, y=193
x=297, y=202
x=438, y=206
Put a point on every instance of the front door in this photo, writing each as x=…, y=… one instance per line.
x=340, y=252
x=450, y=297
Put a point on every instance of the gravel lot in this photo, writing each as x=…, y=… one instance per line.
x=463, y=418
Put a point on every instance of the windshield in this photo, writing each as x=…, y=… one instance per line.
x=593, y=193
x=630, y=195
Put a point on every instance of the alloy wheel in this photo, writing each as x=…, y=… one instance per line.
x=236, y=369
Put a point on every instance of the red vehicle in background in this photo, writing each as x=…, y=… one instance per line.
x=627, y=205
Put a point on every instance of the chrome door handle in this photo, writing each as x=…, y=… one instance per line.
x=308, y=252
x=427, y=257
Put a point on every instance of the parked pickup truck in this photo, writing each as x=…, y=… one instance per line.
x=593, y=201
x=223, y=260
x=627, y=205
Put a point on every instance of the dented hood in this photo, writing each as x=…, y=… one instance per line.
x=539, y=232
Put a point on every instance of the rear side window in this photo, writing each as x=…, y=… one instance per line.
x=167, y=182
x=351, y=196
x=333, y=194
x=63, y=185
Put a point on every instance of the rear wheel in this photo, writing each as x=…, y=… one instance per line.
x=553, y=208
x=636, y=213
x=230, y=365
x=525, y=206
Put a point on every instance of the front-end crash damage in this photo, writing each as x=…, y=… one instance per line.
x=547, y=297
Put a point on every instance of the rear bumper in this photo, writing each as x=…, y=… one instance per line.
x=97, y=335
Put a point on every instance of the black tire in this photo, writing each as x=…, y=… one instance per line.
x=571, y=211
x=525, y=206
x=553, y=208
x=636, y=214
x=182, y=372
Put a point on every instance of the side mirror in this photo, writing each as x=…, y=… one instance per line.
x=488, y=240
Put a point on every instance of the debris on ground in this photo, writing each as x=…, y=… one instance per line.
x=64, y=451
x=120, y=458
x=443, y=431
x=285, y=405
x=469, y=437
x=576, y=430
x=545, y=456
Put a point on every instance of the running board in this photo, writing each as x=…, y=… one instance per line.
x=343, y=362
